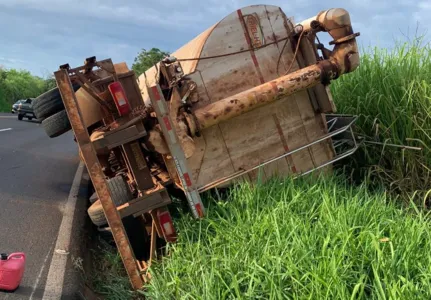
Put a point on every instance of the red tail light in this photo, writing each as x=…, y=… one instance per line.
x=167, y=225
x=120, y=98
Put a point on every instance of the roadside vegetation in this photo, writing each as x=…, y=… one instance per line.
x=391, y=93
x=302, y=239
x=19, y=84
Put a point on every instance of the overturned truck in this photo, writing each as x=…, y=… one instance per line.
x=246, y=100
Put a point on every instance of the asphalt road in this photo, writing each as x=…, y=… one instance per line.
x=36, y=174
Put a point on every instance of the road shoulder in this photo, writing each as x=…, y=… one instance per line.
x=72, y=275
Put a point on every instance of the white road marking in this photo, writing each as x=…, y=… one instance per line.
x=6, y=129
x=54, y=281
x=36, y=283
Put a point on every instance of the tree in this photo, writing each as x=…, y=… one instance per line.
x=20, y=84
x=147, y=59
x=50, y=83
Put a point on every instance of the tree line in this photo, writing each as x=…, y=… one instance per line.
x=20, y=84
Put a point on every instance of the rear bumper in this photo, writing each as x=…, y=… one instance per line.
x=26, y=113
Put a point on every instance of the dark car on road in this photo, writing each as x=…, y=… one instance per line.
x=15, y=105
x=25, y=109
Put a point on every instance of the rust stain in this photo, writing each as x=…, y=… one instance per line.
x=285, y=22
x=237, y=81
x=284, y=142
x=347, y=63
x=250, y=46
x=274, y=86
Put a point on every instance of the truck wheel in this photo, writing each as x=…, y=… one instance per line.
x=50, y=103
x=120, y=191
x=96, y=214
x=57, y=124
x=30, y=118
x=120, y=194
x=20, y=117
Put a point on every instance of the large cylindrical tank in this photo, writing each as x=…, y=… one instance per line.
x=249, y=47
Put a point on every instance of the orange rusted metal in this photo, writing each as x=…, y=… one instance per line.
x=337, y=23
x=98, y=178
x=263, y=94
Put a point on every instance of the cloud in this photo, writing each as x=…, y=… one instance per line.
x=11, y=60
x=48, y=33
x=135, y=12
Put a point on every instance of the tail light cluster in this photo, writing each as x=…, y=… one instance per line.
x=165, y=220
x=120, y=98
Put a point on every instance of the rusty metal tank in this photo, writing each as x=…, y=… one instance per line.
x=250, y=47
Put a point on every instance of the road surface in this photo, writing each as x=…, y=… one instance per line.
x=36, y=175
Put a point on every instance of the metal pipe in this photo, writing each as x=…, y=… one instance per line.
x=266, y=93
x=394, y=145
x=336, y=22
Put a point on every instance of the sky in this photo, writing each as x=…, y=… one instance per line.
x=40, y=35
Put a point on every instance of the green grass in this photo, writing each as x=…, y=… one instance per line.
x=303, y=239
x=391, y=92
x=107, y=276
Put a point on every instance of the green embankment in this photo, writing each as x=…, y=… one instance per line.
x=303, y=239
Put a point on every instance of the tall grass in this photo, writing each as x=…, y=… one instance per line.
x=303, y=239
x=391, y=92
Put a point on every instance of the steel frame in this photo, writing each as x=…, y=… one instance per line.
x=162, y=112
x=97, y=177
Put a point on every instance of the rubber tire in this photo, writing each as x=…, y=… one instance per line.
x=120, y=191
x=30, y=118
x=120, y=194
x=20, y=117
x=96, y=214
x=57, y=124
x=49, y=103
